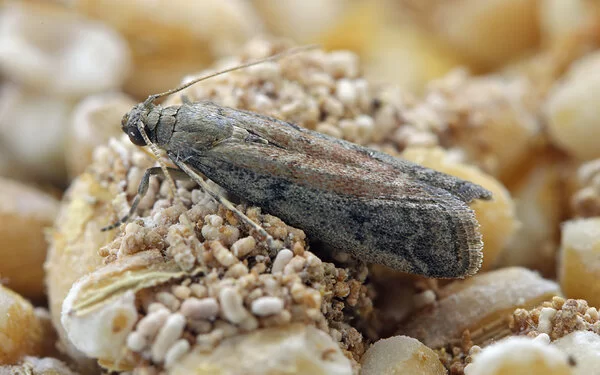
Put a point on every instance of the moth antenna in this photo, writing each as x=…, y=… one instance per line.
x=277, y=56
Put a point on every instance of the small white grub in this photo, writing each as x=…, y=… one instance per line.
x=232, y=305
x=545, y=320
x=265, y=306
x=136, y=341
x=178, y=349
x=237, y=270
x=199, y=290
x=222, y=254
x=151, y=323
x=281, y=260
x=205, y=308
x=169, y=300
x=243, y=246
x=169, y=333
x=181, y=291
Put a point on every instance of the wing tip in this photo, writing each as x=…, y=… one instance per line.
x=474, y=242
x=469, y=191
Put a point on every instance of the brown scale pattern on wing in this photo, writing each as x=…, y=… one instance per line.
x=407, y=177
x=323, y=174
x=299, y=140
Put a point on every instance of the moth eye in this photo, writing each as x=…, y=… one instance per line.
x=135, y=137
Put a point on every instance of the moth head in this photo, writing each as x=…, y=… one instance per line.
x=129, y=125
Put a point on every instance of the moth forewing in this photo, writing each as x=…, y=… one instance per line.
x=322, y=146
x=374, y=210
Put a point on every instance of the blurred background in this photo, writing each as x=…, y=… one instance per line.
x=67, y=64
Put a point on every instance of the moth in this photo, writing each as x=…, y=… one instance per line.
x=350, y=198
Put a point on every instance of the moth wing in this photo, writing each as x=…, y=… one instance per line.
x=374, y=214
x=307, y=142
x=463, y=189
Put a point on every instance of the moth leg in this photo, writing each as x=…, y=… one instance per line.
x=226, y=203
x=142, y=190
